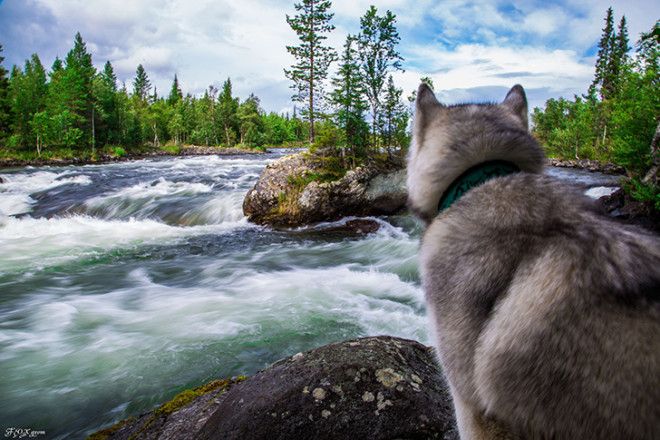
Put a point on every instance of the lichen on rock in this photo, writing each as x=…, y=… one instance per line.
x=297, y=190
x=316, y=396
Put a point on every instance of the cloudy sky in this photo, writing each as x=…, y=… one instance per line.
x=473, y=50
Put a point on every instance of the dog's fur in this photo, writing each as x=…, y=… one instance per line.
x=545, y=314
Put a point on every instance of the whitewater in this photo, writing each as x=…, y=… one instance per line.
x=122, y=284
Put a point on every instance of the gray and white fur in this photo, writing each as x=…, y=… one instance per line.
x=545, y=314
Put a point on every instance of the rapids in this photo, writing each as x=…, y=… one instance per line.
x=122, y=284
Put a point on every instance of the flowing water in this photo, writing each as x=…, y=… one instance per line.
x=122, y=284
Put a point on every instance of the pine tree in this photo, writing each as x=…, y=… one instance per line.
x=175, y=93
x=227, y=114
x=107, y=111
x=5, y=106
x=250, y=122
x=312, y=57
x=619, y=56
x=27, y=94
x=602, y=78
x=395, y=116
x=141, y=84
x=347, y=97
x=378, y=57
x=78, y=77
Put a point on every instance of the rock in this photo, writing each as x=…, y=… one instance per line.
x=589, y=165
x=377, y=388
x=622, y=207
x=289, y=192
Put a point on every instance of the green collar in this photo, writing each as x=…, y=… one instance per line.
x=475, y=176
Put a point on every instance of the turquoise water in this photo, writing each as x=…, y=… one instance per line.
x=122, y=284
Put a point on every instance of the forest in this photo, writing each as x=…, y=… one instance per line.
x=617, y=119
x=73, y=110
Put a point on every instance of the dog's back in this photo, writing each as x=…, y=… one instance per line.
x=546, y=315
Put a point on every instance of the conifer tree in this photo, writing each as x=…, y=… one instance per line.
x=250, y=122
x=227, y=114
x=5, y=106
x=141, y=84
x=77, y=79
x=312, y=57
x=347, y=97
x=395, y=115
x=105, y=91
x=27, y=91
x=605, y=65
x=378, y=57
x=175, y=93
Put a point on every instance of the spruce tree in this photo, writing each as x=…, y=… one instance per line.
x=378, y=57
x=107, y=113
x=250, y=122
x=347, y=97
x=77, y=78
x=227, y=114
x=5, y=106
x=175, y=92
x=28, y=92
x=394, y=114
x=312, y=57
x=602, y=77
x=141, y=84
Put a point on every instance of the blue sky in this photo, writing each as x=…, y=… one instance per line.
x=472, y=50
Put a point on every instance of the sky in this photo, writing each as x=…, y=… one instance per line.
x=473, y=51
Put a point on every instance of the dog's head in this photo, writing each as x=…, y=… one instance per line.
x=448, y=140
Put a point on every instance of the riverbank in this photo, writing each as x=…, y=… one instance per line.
x=588, y=165
x=105, y=157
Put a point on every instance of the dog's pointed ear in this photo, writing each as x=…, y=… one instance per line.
x=516, y=101
x=425, y=100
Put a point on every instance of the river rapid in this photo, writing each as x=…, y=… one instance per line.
x=122, y=284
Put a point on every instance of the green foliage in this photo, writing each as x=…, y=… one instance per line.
x=620, y=126
x=378, y=57
x=141, y=84
x=644, y=192
x=312, y=58
x=5, y=104
x=118, y=152
x=350, y=104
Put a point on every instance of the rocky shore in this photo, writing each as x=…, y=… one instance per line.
x=192, y=150
x=377, y=387
x=292, y=192
x=589, y=165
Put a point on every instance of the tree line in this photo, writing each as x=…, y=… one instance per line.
x=617, y=120
x=74, y=106
x=363, y=112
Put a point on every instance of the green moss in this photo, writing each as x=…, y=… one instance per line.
x=109, y=432
x=186, y=396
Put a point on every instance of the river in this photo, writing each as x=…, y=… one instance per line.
x=122, y=284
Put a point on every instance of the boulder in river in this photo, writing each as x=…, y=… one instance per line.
x=293, y=192
x=377, y=387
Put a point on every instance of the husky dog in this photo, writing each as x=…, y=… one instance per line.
x=546, y=315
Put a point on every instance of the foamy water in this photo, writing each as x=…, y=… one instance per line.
x=122, y=284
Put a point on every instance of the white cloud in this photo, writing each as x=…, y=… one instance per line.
x=462, y=45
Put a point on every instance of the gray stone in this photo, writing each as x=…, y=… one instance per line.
x=288, y=195
x=376, y=388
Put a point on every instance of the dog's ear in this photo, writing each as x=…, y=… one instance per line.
x=516, y=101
x=426, y=106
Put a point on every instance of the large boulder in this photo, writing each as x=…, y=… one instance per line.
x=292, y=192
x=376, y=388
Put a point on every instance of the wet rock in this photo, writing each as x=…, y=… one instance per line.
x=589, y=165
x=377, y=388
x=622, y=207
x=288, y=194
